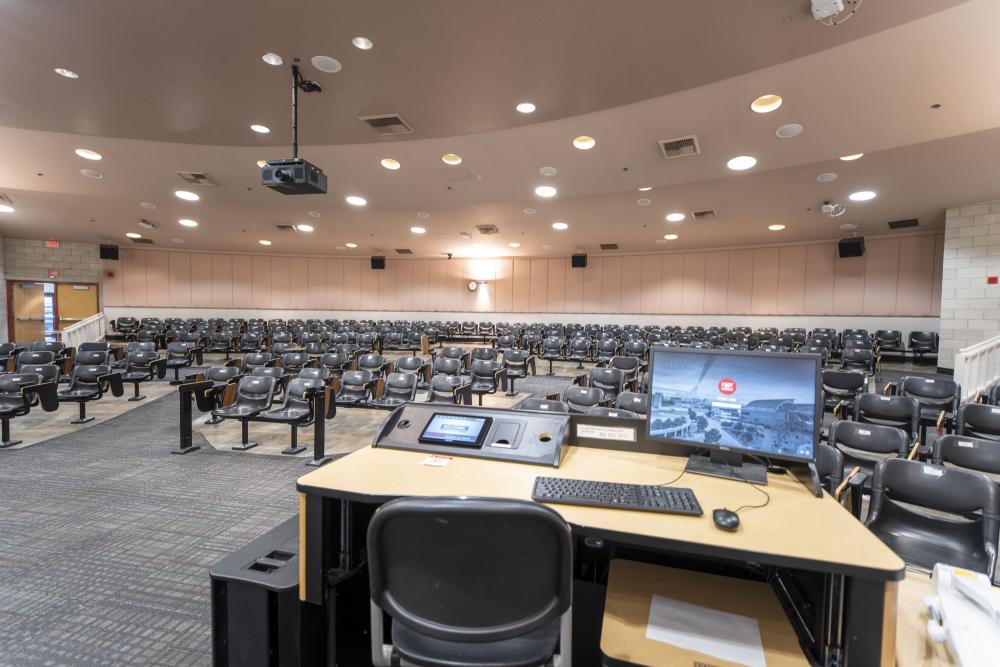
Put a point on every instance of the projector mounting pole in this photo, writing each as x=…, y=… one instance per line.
x=295, y=108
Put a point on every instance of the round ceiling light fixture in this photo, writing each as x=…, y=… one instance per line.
x=660, y=241
x=546, y=191
x=529, y=211
x=92, y=173
x=187, y=222
x=742, y=162
x=355, y=200
x=525, y=107
x=304, y=228
x=849, y=227
x=133, y=235
x=766, y=103
x=418, y=230
x=147, y=205
x=314, y=214
x=560, y=226
x=827, y=177
x=264, y=242
x=351, y=245
x=514, y=244
x=423, y=215
x=644, y=201
x=452, y=159
x=584, y=143
x=548, y=171
x=391, y=164
x=326, y=64
x=272, y=59
x=186, y=195
x=675, y=217
x=775, y=228
x=68, y=73
x=260, y=129
x=88, y=154
x=6, y=208
x=671, y=237
x=177, y=241
x=646, y=188
x=862, y=195
x=363, y=43
x=849, y=158
x=789, y=131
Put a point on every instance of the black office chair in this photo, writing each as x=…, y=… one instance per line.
x=543, y=405
x=90, y=383
x=253, y=396
x=979, y=420
x=923, y=539
x=511, y=610
x=581, y=399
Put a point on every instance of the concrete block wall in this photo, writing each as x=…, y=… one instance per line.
x=970, y=308
x=29, y=259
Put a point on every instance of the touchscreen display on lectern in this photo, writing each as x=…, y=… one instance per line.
x=456, y=430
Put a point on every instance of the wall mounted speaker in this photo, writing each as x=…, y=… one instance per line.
x=109, y=252
x=852, y=247
x=378, y=263
x=579, y=261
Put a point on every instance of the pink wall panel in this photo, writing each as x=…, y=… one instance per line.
x=881, y=276
x=539, y=286
x=740, y=296
x=820, y=263
x=261, y=282
x=765, y=281
x=298, y=282
x=936, y=284
x=242, y=276
x=134, y=277
x=791, y=282
x=651, y=287
x=157, y=277
x=369, y=286
x=557, y=285
x=201, y=280
x=672, y=283
x=436, y=296
x=420, y=287
x=335, y=284
x=281, y=282
x=574, y=290
x=593, y=278
x=848, y=285
x=352, y=284
x=631, y=285
x=716, y=282
x=387, y=286
x=916, y=275
x=611, y=288
x=222, y=281
x=112, y=287
x=404, y=285
x=317, y=283
x=484, y=300
x=503, y=285
x=693, y=283
x=455, y=280
x=179, y=264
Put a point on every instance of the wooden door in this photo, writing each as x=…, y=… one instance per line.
x=27, y=304
x=74, y=302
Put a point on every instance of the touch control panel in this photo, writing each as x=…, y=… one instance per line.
x=503, y=435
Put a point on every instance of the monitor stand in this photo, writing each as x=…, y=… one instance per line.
x=721, y=463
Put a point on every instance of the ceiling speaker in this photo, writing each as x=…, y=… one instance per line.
x=109, y=252
x=378, y=263
x=579, y=261
x=852, y=247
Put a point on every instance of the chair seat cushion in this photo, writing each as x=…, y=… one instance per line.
x=285, y=415
x=237, y=411
x=137, y=376
x=529, y=650
x=178, y=363
x=79, y=393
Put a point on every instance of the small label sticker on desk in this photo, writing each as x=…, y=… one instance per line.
x=436, y=461
x=623, y=434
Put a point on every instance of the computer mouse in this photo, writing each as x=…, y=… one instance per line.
x=726, y=519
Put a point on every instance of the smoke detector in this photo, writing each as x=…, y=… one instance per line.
x=147, y=224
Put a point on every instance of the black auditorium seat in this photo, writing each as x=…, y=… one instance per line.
x=90, y=383
x=553, y=349
x=939, y=399
x=182, y=355
x=417, y=366
x=142, y=366
x=253, y=396
x=276, y=373
x=978, y=420
x=356, y=387
x=900, y=411
x=543, y=405
x=581, y=349
x=923, y=344
x=293, y=362
x=611, y=382
x=582, y=399
x=607, y=348
x=633, y=402
x=516, y=364
x=449, y=389
x=484, y=354
x=863, y=445
x=970, y=453
x=857, y=359
x=222, y=342
x=376, y=364
x=457, y=353
x=615, y=413
x=485, y=378
x=398, y=388
x=223, y=379
x=297, y=409
x=19, y=392
x=258, y=360
x=335, y=362
x=33, y=358
x=446, y=366
x=841, y=389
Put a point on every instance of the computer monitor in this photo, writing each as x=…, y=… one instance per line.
x=735, y=403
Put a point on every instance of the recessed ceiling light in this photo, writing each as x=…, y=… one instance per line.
x=548, y=171
x=68, y=73
x=304, y=228
x=645, y=189
x=675, y=217
x=514, y=244
x=861, y=195
x=186, y=196
x=87, y=154
x=264, y=242
x=766, y=103
x=188, y=223
x=530, y=211
x=584, y=143
x=363, y=43
x=272, y=59
x=342, y=247
x=788, y=131
x=525, y=107
x=451, y=158
x=423, y=215
x=849, y=227
x=260, y=129
x=827, y=177
x=775, y=228
x=644, y=201
x=671, y=237
x=418, y=230
x=261, y=163
x=560, y=226
x=6, y=208
x=355, y=200
x=177, y=241
x=848, y=158
x=546, y=247
x=546, y=191
x=133, y=235
x=741, y=162
x=390, y=163
x=660, y=241
x=351, y=245
x=326, y=64
x=314, y=214
x=147, y=205
x=92, y=173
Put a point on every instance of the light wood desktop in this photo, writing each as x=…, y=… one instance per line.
x=913, y=647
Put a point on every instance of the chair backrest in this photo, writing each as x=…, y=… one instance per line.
x=144, y=345
x=627, y=365
x=608, y=380
x=47, y=372
x=400, y=387
x=484, y=371
x=257, y=359
x=968, y=452
x=321, y=374
x=296, y=390
x=843, y=384
x=294, y=360
x=35, y=358
x=49, y=345
x=608, y=347
x=255, y=391
x=410, y=365
x=221, y=373
x=94, y=346
x=91, y=357
x=484, y=353
x=888, y=338
x=581, y=399
x=938, y=393
x=453, y=352
x=552, y=345
x=419, y=555
x=442, y=389
x=633, y=402
x=11, y=383
x=543, y=404
x=88, y=374
x=267, y=372
x=978, y=419
x=447, y=366
x=615, y=413
x=139, y=360
x=874, y=439
x=513, y=357
x=899, y=411
x=829, y=466
x=968, y=540
x=924, y=341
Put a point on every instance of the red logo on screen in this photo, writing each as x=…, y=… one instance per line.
x=727, y=386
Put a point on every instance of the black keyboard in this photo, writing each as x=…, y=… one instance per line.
x=644, y=497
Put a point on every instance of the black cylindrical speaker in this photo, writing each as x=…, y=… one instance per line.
x=579, y=261
x=852, y=247
x=109, y=252
x=378, y=262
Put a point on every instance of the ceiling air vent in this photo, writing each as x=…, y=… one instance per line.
x=609, y=246
x=147, y=224
x=455, y=174
x=708, y=214
x=680, y=147
x=387, y=124
x=487, y=229
x=903, y=224
x=403, y=251
x=196, y=178
x=143, y=241
x=286, y=228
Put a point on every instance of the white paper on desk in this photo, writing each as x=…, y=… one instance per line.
x=716, y=633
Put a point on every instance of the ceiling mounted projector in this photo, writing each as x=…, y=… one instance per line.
x=295, y=176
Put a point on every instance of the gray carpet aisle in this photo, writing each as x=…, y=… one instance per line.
x=105, y=540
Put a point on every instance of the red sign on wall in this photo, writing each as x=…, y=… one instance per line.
x=53, y=273
x=51, y=244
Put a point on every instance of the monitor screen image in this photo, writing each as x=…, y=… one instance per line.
x=455, y=430
x=764, y=403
